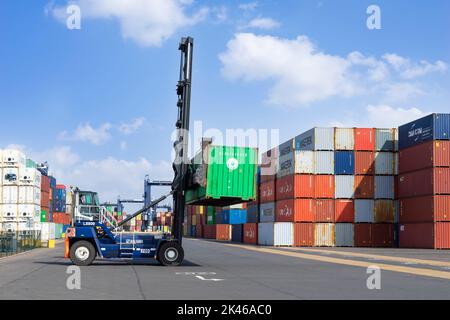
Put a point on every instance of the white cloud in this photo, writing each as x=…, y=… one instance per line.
x=148, y=22
x=86, y=133
x=263, y=23
x=129, y=128
x=248, y=5
x=61, y=157
x=385, y=116
x=301, y=74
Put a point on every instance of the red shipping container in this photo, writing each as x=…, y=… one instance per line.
x=424, y=209
x=425, y=235
x=364, y=162
x=209, y=231
x=363, y=235
x=324, y=211
x=344, y=211
x=295, y=186
x=295, y=210
x=251, y=233
x=324, y=186
x=424, y=182
x=60, y=186
x=425, y=155
x=364, y=187
x=45, y=199
x=364, y=139
x=304, y=234
x=383, y=235
x=267, y=191
x=266, y=178
x=223, y=232
x=199, y=231
x=45, y=184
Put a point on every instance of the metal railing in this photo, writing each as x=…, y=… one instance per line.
x=19, y=241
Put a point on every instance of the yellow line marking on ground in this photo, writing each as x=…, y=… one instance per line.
x=354, y=263
x=434, y=263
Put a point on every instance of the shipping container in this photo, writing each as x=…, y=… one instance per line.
x=383, y=235
x=252, y=213
x=303, y=234
x=237, y=233
x=10, y=176
x=324, y=235
x=209, y=231
x=344, y=211
x=324, y=210
x=286, y=165
x=364, y=139
x=225, y=176
x=344, y=234
x=363, y=234
x=364, y=211
x=435, y=126
x=384, y=211
x=267, y=191
x=276, y=234
x=324, y=162
x=198, y=231
x=344, y=139
x=251, y=233
x=426, y=155
x=9, y=211
x=267, y=212
x=385, y=139
x=295, y=186
x=344, y=186
x=316, y=139
x=223, y=232
x=425, y=235
x=269, y=165
x=424, y=209
x=384, y=187
x=364, y=187
x=364, y=162
x=424, y=182
x=324, y=186
x=384, y=163
x=304, y=161
x=344, y=162
x=295, y=210
x=13, y=158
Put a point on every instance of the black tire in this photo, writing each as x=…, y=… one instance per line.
x=82, y=253
x=170, y=254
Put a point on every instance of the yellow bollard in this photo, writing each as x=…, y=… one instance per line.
x=51, y=244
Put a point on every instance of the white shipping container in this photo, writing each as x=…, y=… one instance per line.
x=324, y=235
x=344, y=139
x=344, y=186
x=364, y=211
x=26, y=211
x=14, y=226
x=10, y=176
x=344, y=235
x=384, y=187
x=47, y=231
x=324, y=162
x=304, y=162
x=9, y=211
x=315, y=139
x=13, y=158
x=384, y=163
x=10, y=195
x=269, y=162
x=29, y=177
x=276, y=234
x=267, y=212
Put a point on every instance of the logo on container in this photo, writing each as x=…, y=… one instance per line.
x=232, y=164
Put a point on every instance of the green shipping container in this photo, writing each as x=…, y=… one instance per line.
x=223, y=176
x=211, y=215
x=43, y=215
x=31, y=164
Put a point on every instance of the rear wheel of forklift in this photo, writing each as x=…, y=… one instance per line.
x=170, y=254
x=82, y=253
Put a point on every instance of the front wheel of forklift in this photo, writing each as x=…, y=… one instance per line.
x=170, y=254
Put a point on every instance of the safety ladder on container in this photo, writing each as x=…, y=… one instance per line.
x=126, y=249
x=107, y=218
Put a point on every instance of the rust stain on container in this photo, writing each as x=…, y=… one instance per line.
x=364, y=162
x=384, y=211
x=364, y=187
x=324, y=235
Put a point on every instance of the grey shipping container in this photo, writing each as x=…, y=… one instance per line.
x=384, y=187
x=385, y=139
x=286, y=164
x=344, y=234
x=364, y=211
x=315, y=139
x=324, y=162
x=267, y=212
x=384, y=163
x=344, y=186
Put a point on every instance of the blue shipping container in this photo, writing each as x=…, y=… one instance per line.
x=52, y=182
x=344, y=162
x=237, y=233
x=193, y=231
x=233, y=216
x=435, y=126
x=252, y=213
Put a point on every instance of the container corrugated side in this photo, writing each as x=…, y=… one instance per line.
x=267, y=212
x=295, y=210
x=304, y=161
x=344, y=187
x=384, y=211
x=267, y=191
x=383, y=235
x=364, y=139
x=344, y=162
x=364, y=187
x=344, y=139
x=324, y=162
x=324, y=210
x=324, y=235
x=364, y=162
x=364, y=211
x=417, y=235
x=286, y=164
x=251, y=233
x=384, y=139
x=424, y=155
x=424, y=182
x=425, y=209
x=295, y=186
x=324, y=186
x=344, y=211
x=384, y=163
x=304, y=234
x=276, y=234
x=363, y=234
x=316, y=139
x=384, y=187
x=344, y=234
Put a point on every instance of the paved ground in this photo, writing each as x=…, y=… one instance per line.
x=246, y=272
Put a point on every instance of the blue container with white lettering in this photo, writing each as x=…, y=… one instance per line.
x=435, y=126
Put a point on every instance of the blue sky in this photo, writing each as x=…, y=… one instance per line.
x=99, y=103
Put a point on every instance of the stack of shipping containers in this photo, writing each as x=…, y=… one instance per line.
x=424, y=183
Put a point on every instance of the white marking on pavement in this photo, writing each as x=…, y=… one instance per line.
x=204, y=279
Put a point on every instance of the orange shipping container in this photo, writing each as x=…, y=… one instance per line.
x=251, y=233
x=364, y=187
x=223, y=232
x=267, y=191
x=295, y=210
x=324, y=211
x=364, y=139
x=344, y=211
x=324, y=186
x=295, y=186
x=364, y=162
x=303, y=234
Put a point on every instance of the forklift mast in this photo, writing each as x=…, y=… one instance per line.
x=181, y=161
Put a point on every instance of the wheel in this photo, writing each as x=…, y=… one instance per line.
x=82, y=253
x=170, y=254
